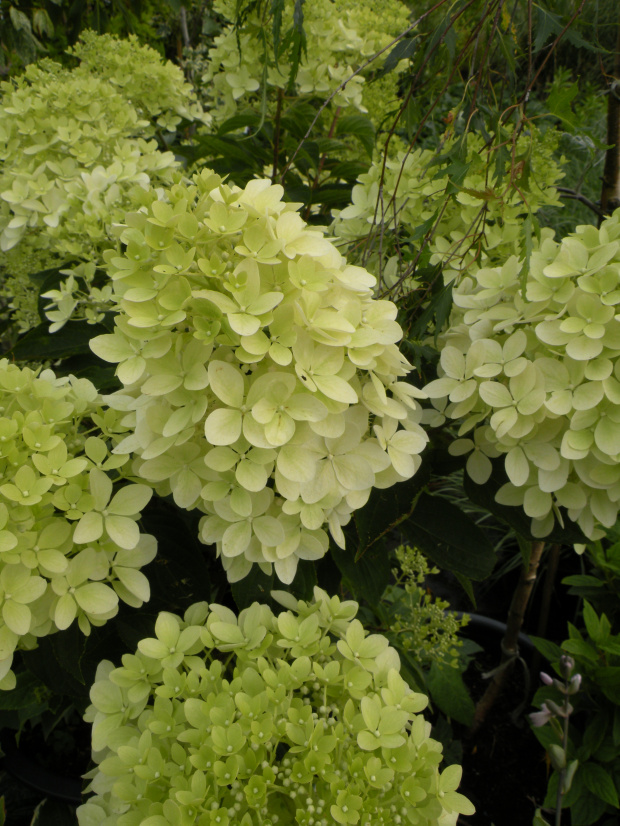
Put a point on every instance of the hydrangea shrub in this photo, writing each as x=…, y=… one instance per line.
x=530, y=368
x=476, y=222
x=262, y=381
x=264, y=719
x=70, y=546
x=338, y=40
x=156, y=88
x=78, y=150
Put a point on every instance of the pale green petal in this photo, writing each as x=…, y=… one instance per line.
x=268, y=530
x=223, y=426
x=607, y=436
x=517, y=466
x=167, y=628
x=353, y=472
x=236, y=539
x=280, y=429
x=495, y=394
x=186, y=488
x=100, y=487
x=479, y=467
x=130, y=500
x=226, y=382
x=17, y=617
x=112, y=347
x=89, y=528
x=251, y=475
x=296, y=463
x=65, y=612
x=96, y=598
x=123, y=531
x=336, y=388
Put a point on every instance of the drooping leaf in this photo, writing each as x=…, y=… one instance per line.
x=448, y=691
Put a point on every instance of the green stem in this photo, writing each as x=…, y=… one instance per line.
x=560, y=794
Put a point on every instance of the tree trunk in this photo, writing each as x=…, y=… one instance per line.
x=510, y=646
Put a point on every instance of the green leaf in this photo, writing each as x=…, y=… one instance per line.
x=51, y=812
x=548, y=649
x=607, y=678
x=600, y=783
x=539, y=820
x=593, y=624
x=25, y=693
x=560, y=99
x=448, y=691
x=403, y=50
x=360, y=127
x=586, y=810
x=449, y=537
x=386, y=509
x=368, y=574
x=256, y=587
x=71, y=340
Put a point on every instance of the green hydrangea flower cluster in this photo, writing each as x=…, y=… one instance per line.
x=264, y=719
x=254, y=360
x=77, y=152
x=68, y=547
x=72, y=152
x=339, y=39
x=532, y=371
x=156, y=89
x=478, y=223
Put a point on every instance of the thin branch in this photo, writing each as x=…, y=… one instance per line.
x=360, y=69
x=577, y=196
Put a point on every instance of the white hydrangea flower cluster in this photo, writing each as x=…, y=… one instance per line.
x=477, y=223
x=532, y=372
x=69, y=544
x=263, y=383
x=295, y=718
x=339, y=39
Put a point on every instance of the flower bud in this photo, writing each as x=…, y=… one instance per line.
x=567, y=664
x=574, y=685
x=545, y=678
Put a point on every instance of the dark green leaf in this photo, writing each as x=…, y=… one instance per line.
x=595, y=732
x=277, y=7
x=448, y=691
x=43, y=663
x=360, y=127
x=559, y=102
x=586, y=810
x=239, y=122
x=71, y=340
x=52, y=812
x=593, y=625
x=305, y=579
x=403, y=50
x=367, y=575
x=255, y=587
x=26, y=692
x=386, y=509
x=550, y=651
x=599, y=783
x=607, y=678
x=449, y=537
